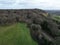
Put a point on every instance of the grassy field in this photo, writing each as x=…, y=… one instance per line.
x=56, y=18
x=16, y=34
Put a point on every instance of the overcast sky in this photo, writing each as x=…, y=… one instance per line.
x=41, y=4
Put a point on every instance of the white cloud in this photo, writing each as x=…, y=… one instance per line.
x=43, y=4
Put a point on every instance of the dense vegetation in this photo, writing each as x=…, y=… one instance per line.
x=43, y=29
x=57, y=20
x=22, y=15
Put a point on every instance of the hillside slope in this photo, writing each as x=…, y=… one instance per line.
x=16, y=34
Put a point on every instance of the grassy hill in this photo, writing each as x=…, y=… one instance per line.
x=57, y=18
x=16, y=34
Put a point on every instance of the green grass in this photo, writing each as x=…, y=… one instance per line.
x=57, y=18
x=16, y=34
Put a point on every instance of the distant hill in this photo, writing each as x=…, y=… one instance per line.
x=53, y=12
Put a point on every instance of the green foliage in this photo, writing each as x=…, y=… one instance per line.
x=16, y=34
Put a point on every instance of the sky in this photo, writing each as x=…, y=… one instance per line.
x=30, y=4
